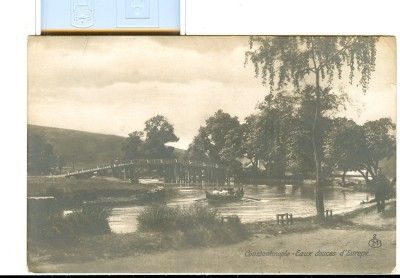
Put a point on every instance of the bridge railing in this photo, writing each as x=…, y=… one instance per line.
x=118, y=164
x=163, y=162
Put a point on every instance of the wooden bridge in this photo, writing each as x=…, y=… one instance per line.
x=173, y=171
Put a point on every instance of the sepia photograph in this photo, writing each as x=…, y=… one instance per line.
x=211, y=154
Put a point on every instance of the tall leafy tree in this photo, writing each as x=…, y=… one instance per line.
x=302, y=148
x=352, y=147
x=381, y=143
x=252, y=141
x=275, y=127
x=61, y=162
x=133, y=146
x=159, y=132
x=219, y=141
x=314, y=60
x=41, y=158
x=201, y=148
x=346, y=147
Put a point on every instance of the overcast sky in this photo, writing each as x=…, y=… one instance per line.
x=112, y=85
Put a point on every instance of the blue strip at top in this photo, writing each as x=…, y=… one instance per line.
x=109, y=15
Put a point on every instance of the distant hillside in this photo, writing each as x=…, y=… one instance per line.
x=79, y=146
x=84, y=148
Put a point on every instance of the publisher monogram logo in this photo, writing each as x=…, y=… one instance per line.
x=375, y=242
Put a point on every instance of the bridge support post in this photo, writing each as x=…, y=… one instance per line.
x=181, y=175
x=166, y=174
x=175, y=169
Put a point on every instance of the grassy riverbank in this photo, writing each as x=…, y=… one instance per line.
x=358, y=257
x=89, y=188
x=58, y=238
x=112, y=252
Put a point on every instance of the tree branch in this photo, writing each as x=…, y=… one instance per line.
x=345, y=47
x=361, y=172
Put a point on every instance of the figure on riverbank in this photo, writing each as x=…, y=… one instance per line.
x=381, y=184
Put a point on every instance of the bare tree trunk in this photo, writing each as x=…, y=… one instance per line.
x=319, y=195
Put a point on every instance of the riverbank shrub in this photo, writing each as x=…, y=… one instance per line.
x=195, y=225
x=90, y=220
x=157, y=218
x=55, y=228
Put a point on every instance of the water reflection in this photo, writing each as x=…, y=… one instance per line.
x=295, y=199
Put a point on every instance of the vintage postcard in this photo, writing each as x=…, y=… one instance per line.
x=212, y=154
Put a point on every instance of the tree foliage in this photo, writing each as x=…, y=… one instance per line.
x=252, y=140
x=41, y=159
x=159, y=132
x=380, y=141
x=267, y=133
x=61, y=162
x=346, y=146
x=298, y=61
x=160, y=129
x=133, y=146
x=361, y=148
x=219, y=141
x=289, y=60
x=152, y=141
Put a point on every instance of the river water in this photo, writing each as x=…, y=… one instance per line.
x=298, y=200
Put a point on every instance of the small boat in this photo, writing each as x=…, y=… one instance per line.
x=225, y=195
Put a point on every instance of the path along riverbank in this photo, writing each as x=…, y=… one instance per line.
x=339, y=246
